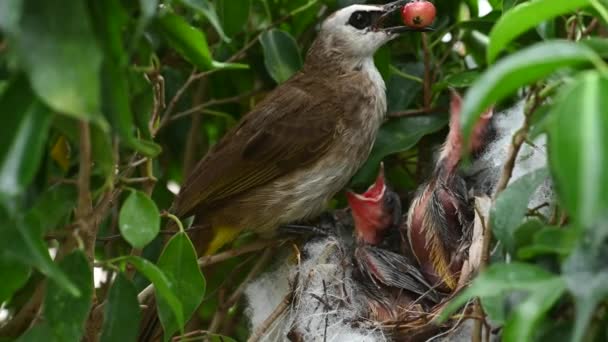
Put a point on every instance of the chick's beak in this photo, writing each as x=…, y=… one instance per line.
x=374, y=211
x=389, y=10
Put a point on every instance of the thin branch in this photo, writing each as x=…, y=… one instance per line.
x=214, y=102
x=261, y=330
x=416, y=112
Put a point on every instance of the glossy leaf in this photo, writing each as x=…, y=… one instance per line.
x=179, y=263
x=524, y=321
x=188, y=41
x=65, y=313
x=139, y=219
x=281, y=55
x=22, y=137
x=162, y=286
x=578, y=137
x=395, y=136
x=498, y=280
x=511, y=206
x=524, y=17
x=64, y=67
x=517, y=70
x=122, y=312
x=207, y=9
x=14, y=276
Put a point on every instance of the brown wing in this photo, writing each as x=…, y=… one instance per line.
x=292, y=127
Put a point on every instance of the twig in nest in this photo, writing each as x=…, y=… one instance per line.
x=276, y=313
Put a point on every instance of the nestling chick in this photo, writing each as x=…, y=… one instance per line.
x=440, y=217
x=390, y=281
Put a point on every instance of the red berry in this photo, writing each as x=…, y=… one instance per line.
x=418, y=14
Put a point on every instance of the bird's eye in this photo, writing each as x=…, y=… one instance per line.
x=360, y=20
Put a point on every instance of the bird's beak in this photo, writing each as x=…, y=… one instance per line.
x=374, y=211
x=388, y=11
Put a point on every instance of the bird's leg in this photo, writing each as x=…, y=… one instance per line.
x=325, y=226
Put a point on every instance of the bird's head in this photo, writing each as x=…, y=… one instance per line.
x=374, y=211
x=357, y=31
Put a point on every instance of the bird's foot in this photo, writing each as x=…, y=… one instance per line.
x=302, y=229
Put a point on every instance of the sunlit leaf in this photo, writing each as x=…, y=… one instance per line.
x=139, y=219
x=517, y=70
x=281, y=55
x=188, y=41
x=207, y=9
x=524, y=17
x=61, y=57
x=578, y=143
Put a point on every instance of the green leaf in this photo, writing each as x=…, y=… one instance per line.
x=578, y=143
x=188, y=41
x=139, y=219
x=51, y=207
x=524, y=17
x=39, y=332
x=498, y=280
x=122, y=313
x=586, y=274
x=207, y=9
x=524, y=321
x=162, y=286
x=14, y=276
x=22, y=138
x=233, y=15
x=281, y=55
x=61, y=57
x=65, y=313
x=395, y=136
x=517, y=70
x=179, y=263
x=511, y=206
x=551, y=240
x=21, y=240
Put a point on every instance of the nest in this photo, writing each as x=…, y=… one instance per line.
x=314, y=296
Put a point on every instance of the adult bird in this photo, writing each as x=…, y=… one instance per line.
x=299, y=146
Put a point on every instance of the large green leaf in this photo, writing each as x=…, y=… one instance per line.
x=60, y=57
x=498, y=280
x=14, y=276
x=178, y=262
x=395, y=136
x=65, y=313
x=586, y=274
x=517, y=70
x=512, y=204
x=281, y=55
x=578, y=148
x=122, y=313
x=57, y=202
x=188, y=41
x=22, y=137
x=37, y=333
x=551, y=240
x=207, y=9
x=139, y=219
x=162, y=286
x=525, y=17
